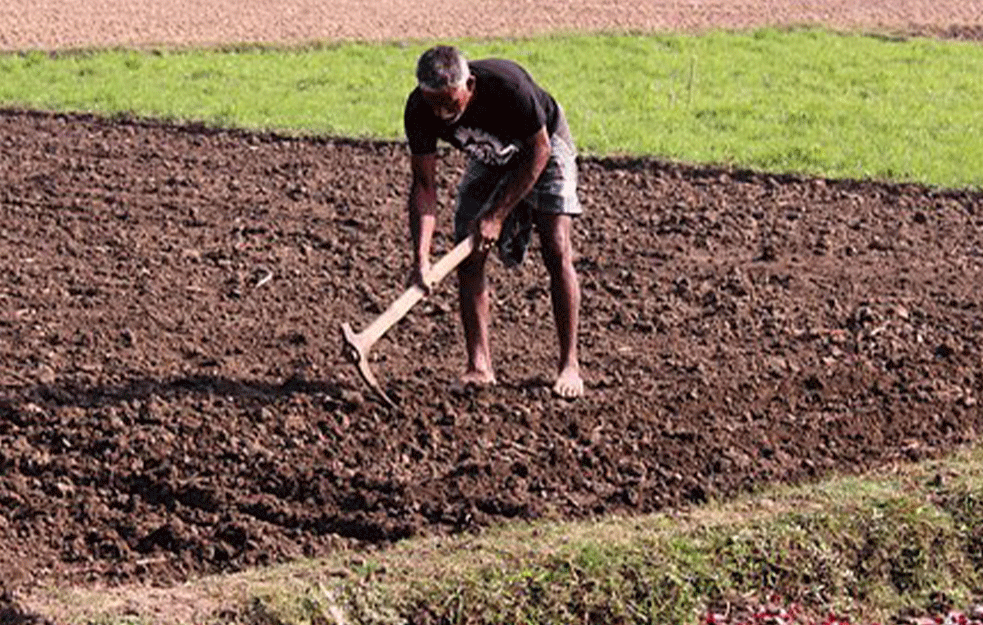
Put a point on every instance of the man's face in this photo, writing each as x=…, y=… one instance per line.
x=449, y=103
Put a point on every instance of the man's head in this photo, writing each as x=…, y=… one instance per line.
x=445, y=81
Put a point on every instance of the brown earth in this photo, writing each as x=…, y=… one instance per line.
x=56, y=24
x=173, y=400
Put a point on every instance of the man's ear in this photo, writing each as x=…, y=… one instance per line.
x=470, y=82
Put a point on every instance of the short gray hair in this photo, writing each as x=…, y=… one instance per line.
x=441, y=67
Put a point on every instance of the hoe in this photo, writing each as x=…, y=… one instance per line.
x=357, y=346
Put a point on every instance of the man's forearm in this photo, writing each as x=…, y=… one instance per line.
x=423, y=237
x=522, y=183
x=423, y=222
x=519, y=187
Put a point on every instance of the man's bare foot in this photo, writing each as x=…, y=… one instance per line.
x=474, y=379
x=569, y=384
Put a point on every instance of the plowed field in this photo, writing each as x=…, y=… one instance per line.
x=175, y=400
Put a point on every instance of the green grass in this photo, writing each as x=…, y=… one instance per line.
x=808, y=101
x=864, y=548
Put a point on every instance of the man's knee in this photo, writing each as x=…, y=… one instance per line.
x=555, y=238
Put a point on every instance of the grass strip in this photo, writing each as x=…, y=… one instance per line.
x=866, y=548
x=803, y=100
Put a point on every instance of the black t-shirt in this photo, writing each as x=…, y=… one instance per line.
x=507, y=108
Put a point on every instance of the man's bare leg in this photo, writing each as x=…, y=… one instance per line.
x=565, y=293
x=474, y=301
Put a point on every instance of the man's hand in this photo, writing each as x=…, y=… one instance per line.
x=419, y=277
x=486, y=230
x=487, y=227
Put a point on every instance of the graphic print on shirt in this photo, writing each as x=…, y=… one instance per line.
x=485, y=146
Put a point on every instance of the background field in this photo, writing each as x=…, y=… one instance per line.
x=57, y=24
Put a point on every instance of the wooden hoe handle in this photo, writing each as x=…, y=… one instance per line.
x=357, y=346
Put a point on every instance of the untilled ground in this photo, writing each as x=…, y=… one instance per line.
x=56, y=24
x=173, y=398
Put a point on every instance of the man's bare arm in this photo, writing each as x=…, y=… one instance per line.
x=529, y=170
x=422, y=211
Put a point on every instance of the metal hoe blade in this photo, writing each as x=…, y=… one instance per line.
x=354, y=354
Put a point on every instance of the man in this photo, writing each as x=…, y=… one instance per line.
x=521, y=173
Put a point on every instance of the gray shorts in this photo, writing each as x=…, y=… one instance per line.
x=555, y=192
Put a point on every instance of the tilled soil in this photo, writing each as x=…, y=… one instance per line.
x=174, y=400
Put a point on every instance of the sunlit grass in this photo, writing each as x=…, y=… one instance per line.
x=808, y=101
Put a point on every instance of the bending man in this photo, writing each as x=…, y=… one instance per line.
x=521, y=175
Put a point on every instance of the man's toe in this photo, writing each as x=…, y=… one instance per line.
x=569, y=388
